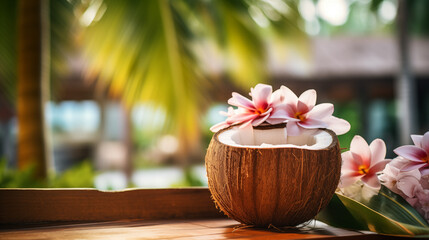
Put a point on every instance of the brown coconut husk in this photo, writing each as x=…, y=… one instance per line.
x=272, y=186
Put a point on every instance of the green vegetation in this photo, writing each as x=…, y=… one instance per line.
x=79, y=176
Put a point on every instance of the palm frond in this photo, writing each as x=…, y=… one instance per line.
x=143, y=56
x=145, y=51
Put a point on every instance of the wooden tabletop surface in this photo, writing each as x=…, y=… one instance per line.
x=179, y=229
x=136, y=214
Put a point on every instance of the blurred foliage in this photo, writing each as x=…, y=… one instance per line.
x=362, y=19
x=419, y=17
x=79, y=176
x=417, y=12
x=350, y=112
x=62, y=34
x=8, y=51
x=13, y=178
x=190, y=179
x=145, y=51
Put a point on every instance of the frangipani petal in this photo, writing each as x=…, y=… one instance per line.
x=359, y=148
x=425, y=142
x=261, y=95
x=338, y=125
x=258, y=121
x=278, y=113
x=273, y=121
x=411, y=152
x=424, y=171
x=349, y=164
x=288, y=96
x=290, y=111
x=413, y=173
x=312, y=123
x=378, y=151
x=301, y=107
x=240, y=118
x=308, y=98
x=408, y=185
x=267, y=112
x=417, y=140
x=219, y=126
x=411, y=166
x=239, y=101
x=246, y=124
x=378, y=167
x=371, y=180
x=348, y=178
x=293, y=129
x=321, y=111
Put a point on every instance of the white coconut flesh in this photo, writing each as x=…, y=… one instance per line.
x=275, y=138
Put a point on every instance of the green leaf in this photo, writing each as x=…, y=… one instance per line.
x=337, y=215
x=394, y=206
x=379, y=222
x=386, y=213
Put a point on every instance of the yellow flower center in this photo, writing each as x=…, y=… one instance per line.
x=363, y=169
x=300, y=116
x=260, y=111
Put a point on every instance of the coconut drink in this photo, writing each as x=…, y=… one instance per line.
x=276, y=160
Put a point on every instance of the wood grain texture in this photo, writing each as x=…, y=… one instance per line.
x=181, y=229
x=66, y=205
x=272, y=186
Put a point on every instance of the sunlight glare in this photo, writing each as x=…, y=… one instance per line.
x=279, y=5
x=387, y=11
x=334, y=12
x=89, y=15
x=168, y=144
x=307, y=10
x=258, y=16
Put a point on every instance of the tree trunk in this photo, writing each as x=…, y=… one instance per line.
x=33, y=79
x=405, y=83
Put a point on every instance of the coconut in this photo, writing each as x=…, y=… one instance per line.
x=263, y=177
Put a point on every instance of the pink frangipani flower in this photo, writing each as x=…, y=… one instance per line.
x=255, y=111
x=417, y=154
x=405, y=184
x=363, y=162
x=302, y=112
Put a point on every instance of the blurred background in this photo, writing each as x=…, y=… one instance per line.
x=115, y=94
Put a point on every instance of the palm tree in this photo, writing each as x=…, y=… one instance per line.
x=141, y=51
x=33, y=74
x=25, y=70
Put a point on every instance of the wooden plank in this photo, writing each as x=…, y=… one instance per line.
x=18, y=206
x=182, y=229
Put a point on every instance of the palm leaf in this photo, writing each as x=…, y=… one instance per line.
x=144, y=56
x=393, y=205
x=386, y=213
x=145, y=51
x=337, y=215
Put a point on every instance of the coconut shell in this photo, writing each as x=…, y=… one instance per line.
x=272, y=186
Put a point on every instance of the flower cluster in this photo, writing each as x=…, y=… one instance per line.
x=408, y=174
x=365, y=168
x=281, y=106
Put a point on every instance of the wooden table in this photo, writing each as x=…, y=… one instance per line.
x=136, y=214
x=178, y=229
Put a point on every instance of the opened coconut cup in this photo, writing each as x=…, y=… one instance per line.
x=263, y=177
